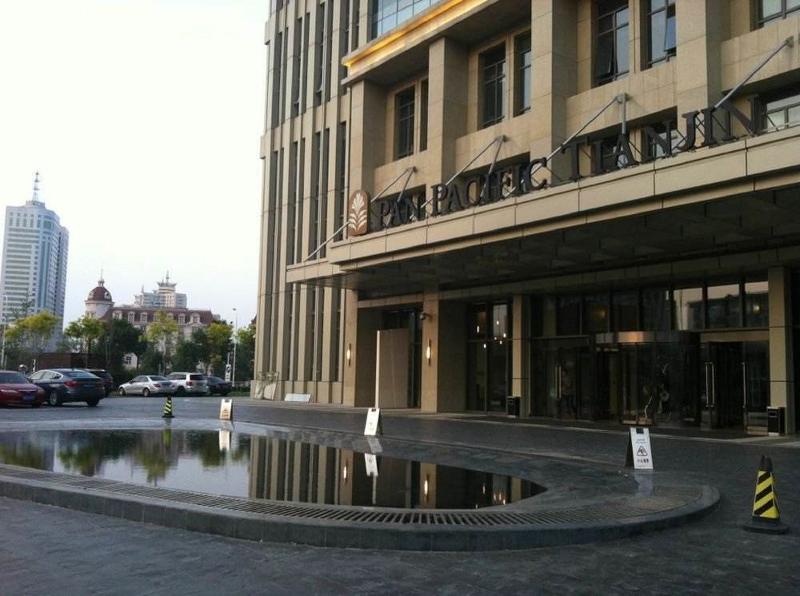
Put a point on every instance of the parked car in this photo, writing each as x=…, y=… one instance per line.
x=189, y=383
x=218, y=386
x=108, y=380
x=148, y=385
x=16, y=389
x=63, y=385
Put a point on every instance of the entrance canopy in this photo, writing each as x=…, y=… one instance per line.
x=754, y=221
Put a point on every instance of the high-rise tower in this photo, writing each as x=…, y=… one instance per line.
x=34, y=272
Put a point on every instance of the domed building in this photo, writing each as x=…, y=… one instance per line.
x=99, y=301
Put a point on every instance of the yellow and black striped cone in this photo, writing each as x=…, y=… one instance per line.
x=766, y=517
x=168, y=408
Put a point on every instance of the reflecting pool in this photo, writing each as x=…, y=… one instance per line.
x=239, y=464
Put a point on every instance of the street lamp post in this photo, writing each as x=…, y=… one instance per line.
x=5, y=329
x=235, y=341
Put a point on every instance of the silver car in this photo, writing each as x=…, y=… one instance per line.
x=147, y=385
x=189, y=383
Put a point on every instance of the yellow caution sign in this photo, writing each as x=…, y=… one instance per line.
x=168, y=408
x=766, y=516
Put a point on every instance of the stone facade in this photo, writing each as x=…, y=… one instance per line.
x=603, y=217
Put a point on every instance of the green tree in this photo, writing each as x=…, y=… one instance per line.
x=28, y=336
x=245, y=351
x=119, y=338
x=161, y=334
x=219, y=344
x=86, y=329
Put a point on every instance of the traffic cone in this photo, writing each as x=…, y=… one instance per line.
x=766, y=517
x=168, y=408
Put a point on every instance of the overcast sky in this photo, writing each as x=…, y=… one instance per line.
x=143, y=117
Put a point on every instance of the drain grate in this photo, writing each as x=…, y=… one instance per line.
x=666, y=498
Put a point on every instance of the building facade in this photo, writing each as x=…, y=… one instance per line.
x=35, y=251
x=100, y=305
x=588, y=204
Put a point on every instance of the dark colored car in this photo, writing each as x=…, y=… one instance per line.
x=218, y=386
x=108, y=380
x=15, y=389
x=63, y=385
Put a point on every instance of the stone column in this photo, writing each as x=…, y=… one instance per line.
x=554, y=51
x=520, y=353
x=447, y=103
x=781, y=357
x=360, y=329
x=443, y=378
x=701, y=28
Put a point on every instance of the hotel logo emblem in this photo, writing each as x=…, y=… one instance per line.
x=358, y=213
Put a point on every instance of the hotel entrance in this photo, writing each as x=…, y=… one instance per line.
x=489, y=357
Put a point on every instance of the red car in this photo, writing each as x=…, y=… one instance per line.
x=16, y=389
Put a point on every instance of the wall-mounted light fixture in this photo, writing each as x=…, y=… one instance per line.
x=425, y=488
x=349, y=354
x=429, y=352
x=344, y=472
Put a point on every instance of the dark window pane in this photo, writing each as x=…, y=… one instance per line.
x=569, y=315
x=626, y=306
x=756, y=304
x=724, y=309
x=688, y=305
x=595, y=318
x=604, y=63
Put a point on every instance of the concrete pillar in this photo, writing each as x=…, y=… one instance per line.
x=360, y=333
x=554, y=51
x=781, y=357
x=448, y=67
x=443, y=378
x=702, y=25
x=520, y=352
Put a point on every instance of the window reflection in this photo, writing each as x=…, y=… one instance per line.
x=688, y=304
x=724, y=309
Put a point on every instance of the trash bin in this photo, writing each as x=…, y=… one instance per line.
x=512, y=405
x=776, y=421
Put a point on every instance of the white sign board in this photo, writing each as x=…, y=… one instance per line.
x=371, y=463
x=302, y=398
x=224, y=440
x=226, y=409
x=373, y=420
x=640, y=449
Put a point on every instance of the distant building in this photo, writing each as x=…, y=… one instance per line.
x=34, y=273
x=146, y=306
x=164, y=297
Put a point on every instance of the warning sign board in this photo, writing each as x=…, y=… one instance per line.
x=371, y=463
x=226, y=409
x=373, y=420
x=640, y=449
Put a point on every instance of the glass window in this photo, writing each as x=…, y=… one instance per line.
x=781, y=111
x=772, y=10
x=569, y=315
x=493, y=83
x=611, y=43
x=404, y=118
x=388, y=14
x=756, y=304
x=595, y=313
x=606, y=157
x=626, y=310
x=423, y=116
x=688, y=305
x=500, y=329
x=661, y=19
x=666, y=135
x=724, y=307
x=522, y=52
x=656, y=309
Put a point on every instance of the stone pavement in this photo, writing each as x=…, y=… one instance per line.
x=45, y=550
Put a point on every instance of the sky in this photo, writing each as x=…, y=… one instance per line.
x=143, y=118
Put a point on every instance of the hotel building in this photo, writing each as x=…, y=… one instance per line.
x=593, y=205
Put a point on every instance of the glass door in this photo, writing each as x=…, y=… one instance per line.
x=489, y=357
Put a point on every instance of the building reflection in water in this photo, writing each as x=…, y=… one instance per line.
x=289, y=471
